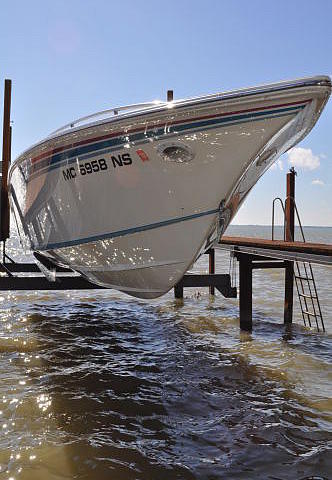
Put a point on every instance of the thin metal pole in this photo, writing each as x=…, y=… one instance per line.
x=6, y=144
x=273, y=208
x=289, y=237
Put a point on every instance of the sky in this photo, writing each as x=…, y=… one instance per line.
x=71, y=58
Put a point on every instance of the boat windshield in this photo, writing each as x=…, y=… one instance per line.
x=112, y=112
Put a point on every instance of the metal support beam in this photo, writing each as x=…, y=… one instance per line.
x=27, y=268
x=41, y=283
x=222, y=282
x=272, y=264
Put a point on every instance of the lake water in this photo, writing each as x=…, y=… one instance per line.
x=98, y=385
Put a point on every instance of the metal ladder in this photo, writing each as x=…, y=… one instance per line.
x=304, y=278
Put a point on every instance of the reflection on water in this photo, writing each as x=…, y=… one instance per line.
x=99, y=385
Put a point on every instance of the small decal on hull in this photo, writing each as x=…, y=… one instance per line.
x=143, y=155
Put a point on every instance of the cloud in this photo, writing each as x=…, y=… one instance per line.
x=318, y=182
x=303, y=158
x=277, y=164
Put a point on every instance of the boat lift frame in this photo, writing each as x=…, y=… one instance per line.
x=252, y=253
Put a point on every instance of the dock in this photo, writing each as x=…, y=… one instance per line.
x=295, y=257
x=280, y=249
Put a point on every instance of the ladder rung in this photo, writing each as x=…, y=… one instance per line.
x=311, y=314
x=303, y=278
x=307, y=296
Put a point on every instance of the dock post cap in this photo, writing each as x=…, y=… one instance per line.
x=170, y=95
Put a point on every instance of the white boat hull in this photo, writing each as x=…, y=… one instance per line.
x=131, y=202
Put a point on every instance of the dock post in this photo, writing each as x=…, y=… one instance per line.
x=245, y=292
x=289, y=237
x=170, y=95
x=6, y=151
x=211, y=266
x=178, y=290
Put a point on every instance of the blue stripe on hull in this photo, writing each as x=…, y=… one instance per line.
x=175, y=129
x=128, y=231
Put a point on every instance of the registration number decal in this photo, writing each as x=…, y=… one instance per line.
x=95, y=166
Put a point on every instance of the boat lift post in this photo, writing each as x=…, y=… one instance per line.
x=289, y=237
x=6, y=154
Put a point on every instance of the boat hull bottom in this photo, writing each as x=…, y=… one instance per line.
x=138, y=282
x=145, y=264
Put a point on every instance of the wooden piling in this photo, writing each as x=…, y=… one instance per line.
x=245, y=292
x=170, y=95
x=178, y=291
x=6, y=152
x=289, y=237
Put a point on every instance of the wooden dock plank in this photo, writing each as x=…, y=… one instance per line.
x=298, y=247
